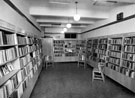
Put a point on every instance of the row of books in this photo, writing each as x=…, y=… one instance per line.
x=95, y=41
x=58, y=55
x=23, y=50
x=102, y=52
x=113, y=66
x=59, y=41
x=103, y=41
x=115, y=47
x=59, y=45
x=129, y=73
x=89, y=49
x=129, y=40
x=70, y=54
x=59, y=52
x=114, y=54
x=102, y=46
x=113, y=60
x=10, y=86
x=115, y=41
x=15, y=86
x=6, y=69
x=30, y=40
x=102, y=57
x=129, y=65
x=7, y=54
x=129, y=49
x=58, y=48
x=31, y=48
x=6, y=38
x=25, y=60
x=21, y=40
x=89, y=43
x=95, y=46
x=128, y=56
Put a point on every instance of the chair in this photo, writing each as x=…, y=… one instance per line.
x=98, y=73
x=81, y=60
x=49, y=61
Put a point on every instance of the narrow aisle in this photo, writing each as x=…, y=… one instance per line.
x=65, y=80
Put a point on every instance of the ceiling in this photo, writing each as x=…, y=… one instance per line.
x=53, y=15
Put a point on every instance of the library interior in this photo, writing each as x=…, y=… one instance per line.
x=67, y=49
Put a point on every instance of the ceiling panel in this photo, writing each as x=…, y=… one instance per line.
x=57, y=13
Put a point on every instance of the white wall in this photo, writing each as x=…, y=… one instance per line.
x=118, y=28
x=10, y=15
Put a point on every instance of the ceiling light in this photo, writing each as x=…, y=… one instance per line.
x=69, y=25
x=65, y=29
x=76, y=16
x=62, y=32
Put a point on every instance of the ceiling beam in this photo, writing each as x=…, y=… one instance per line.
x=61, y=26
x=63, y=21
x=44, y=11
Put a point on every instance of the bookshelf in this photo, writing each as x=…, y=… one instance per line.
x=81, y=46
x=58, y=48
x=70, y=48
x=96, y=50
x=20, y=63
x=114, y=53
x=118, y=53
x=64, y=50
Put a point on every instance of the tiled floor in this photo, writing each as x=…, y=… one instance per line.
x=66, y=80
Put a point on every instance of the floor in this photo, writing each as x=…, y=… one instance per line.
x=66, y=80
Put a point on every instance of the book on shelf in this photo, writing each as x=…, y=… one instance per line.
x=21, y=40
x=6, y=39
x=1, y=38
x=115, y=41
x=2, y=92
x=115, y=47
x=15, y=81
x=24, y=84
x=9, y=87
x=20, y=91
x=1, y=74
x=5, y=70
x=14, y=95
x=10, y=39
x=23, y=50
x=2, y=56
x=19, y=76
x=11, y=53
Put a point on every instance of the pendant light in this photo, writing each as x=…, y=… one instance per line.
x=62, y=32
x=76, y=16
x=68, y=24
x=65, y=29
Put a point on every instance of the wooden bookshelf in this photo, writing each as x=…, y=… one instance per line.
x=20, y=56
x=7, y=77
x=65, y=50
x=119, y=57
